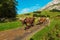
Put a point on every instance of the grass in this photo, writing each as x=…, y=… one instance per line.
x=10, y=25
x=39, y=35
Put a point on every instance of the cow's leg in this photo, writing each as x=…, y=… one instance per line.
x=27, y=26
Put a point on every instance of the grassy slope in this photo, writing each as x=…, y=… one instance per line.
x=10, y=25
x=40, y=34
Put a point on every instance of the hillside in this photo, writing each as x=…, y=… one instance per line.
x=51, y=5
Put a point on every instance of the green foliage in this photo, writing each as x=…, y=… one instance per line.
x=31, y=38
x=55, y=10
x=38, y=12
x=48, y=15
x=8, y=8
x=27, y=14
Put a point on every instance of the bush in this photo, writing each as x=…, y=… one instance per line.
x=27, y=14
x=7, y=19
x=42, y=16
x=31, y=38
x=35, y=15
x=58, y=16
x=48, y=15
x=54, y=10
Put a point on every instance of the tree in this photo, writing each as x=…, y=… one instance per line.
x=8, y=8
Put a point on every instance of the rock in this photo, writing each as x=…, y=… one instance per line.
x=51, y=5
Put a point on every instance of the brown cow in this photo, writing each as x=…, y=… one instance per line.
x=28, y=21
x=41, y=20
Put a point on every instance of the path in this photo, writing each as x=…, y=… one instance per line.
x=20, y=33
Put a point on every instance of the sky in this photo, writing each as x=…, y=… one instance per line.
x=25, y=6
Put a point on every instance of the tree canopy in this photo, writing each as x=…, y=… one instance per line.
x=8, y=8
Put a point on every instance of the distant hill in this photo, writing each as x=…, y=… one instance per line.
x=55, y=4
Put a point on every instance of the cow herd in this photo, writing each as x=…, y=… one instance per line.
x=29, y=21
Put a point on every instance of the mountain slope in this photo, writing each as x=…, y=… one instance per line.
x=55, y=4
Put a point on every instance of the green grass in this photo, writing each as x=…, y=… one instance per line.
x=52, y=14
x=10, y=25
x=39, y=35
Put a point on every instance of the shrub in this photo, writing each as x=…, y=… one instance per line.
x=48, y=15
x=31, y=38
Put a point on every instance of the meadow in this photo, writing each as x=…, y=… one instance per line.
x=10, y=25
x=49, y=32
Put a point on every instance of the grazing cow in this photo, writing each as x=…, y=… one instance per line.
x=28, y=21
x=41, y=20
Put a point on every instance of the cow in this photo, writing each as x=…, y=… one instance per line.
x=28, y=21
x=41, y=20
